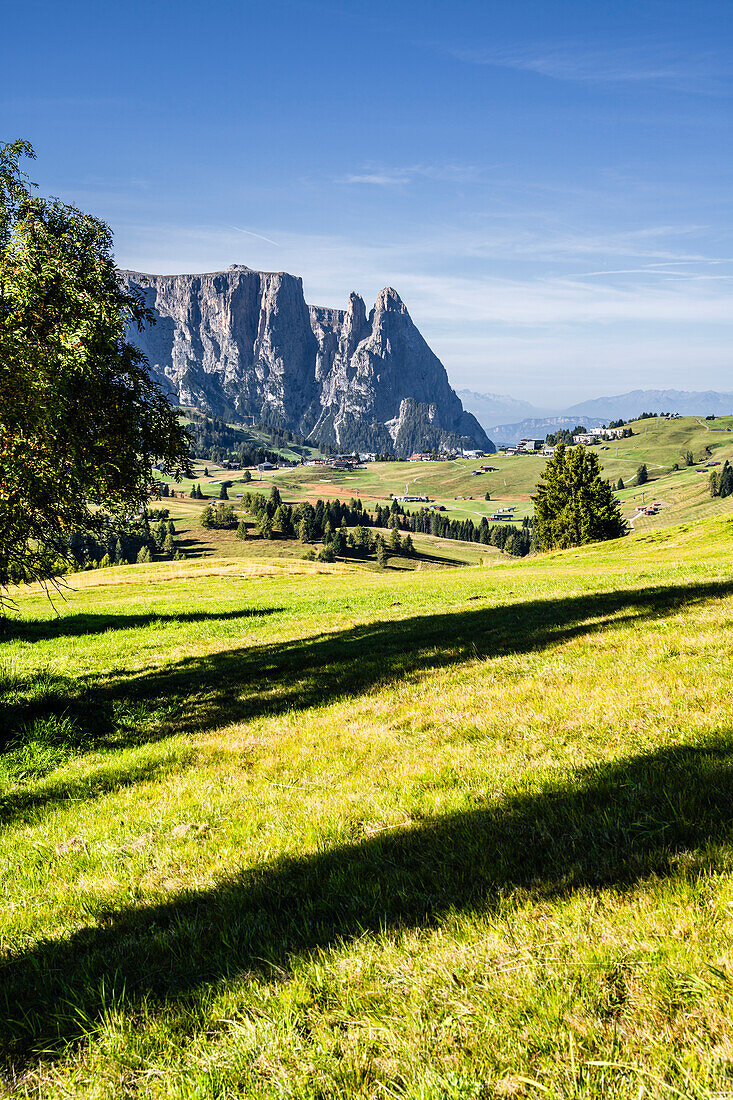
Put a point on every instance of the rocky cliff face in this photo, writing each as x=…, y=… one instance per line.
x=244, y=343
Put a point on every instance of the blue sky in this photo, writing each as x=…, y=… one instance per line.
x=547, y=184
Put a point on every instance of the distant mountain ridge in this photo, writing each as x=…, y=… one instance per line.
x=499, y=408
x=629, y=405
x=625, y=406
x=241, y=343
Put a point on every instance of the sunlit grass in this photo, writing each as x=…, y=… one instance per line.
x=280, y=830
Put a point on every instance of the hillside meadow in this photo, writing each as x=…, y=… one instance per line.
x=682, y=494
x=272, y=828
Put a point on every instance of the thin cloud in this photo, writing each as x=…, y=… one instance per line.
x=251, y=233
x=383, y=176
x=576, y=62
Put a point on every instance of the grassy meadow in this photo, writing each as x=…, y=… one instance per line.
x=682, y=494
x=283, y=829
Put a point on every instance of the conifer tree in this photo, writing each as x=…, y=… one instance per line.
x=575, y=504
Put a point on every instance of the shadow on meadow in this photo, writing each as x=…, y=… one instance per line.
x=82, y=625
x=207, y=691
x=612, y=825
x=196, y=694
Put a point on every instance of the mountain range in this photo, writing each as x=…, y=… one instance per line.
x=241, y=343
x=491, y=410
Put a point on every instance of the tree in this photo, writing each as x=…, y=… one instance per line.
x=247, y=476
x=620, y=484
x=487, y=496
x=689, y=458
x=381, y=550
x=395, y=542
x=242, y=530
x=280, y=519
x=575, y=504
x=81, y=420
x=408, y=547
x=642, y=474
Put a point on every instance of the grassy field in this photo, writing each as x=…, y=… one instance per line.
x=197, y=542
x=281, y=829
x=659, y=443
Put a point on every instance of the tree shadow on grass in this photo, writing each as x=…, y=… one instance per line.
x=612, y=825
x=235, y=685
x=85, y=624
x=24, y=803
x=245, y=683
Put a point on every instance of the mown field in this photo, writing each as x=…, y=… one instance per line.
x=280, y=829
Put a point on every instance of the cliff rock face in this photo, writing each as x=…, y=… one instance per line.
x=242, y=343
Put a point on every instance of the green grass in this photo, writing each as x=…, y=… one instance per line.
x=286, y=830
x=659, y=443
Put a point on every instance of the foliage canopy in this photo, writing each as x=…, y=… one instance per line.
x=575, y=505
x=81, y=420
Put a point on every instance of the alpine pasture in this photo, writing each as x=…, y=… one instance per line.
x=273, y=828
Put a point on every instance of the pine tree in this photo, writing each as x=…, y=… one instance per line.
x=143, y=555
x=242, y=530
x=223, y=494
x=395, y=542
x=408, y=547
x=642, y=474
x=279, y=519
x=620, y=484
x=168, y=545
x=381, y=551
x=575, y=505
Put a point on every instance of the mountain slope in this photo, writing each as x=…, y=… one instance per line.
x=243, y=343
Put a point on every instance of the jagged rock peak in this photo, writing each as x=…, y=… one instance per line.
x=243, y=343
x=356, y=305
x=388, y=300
